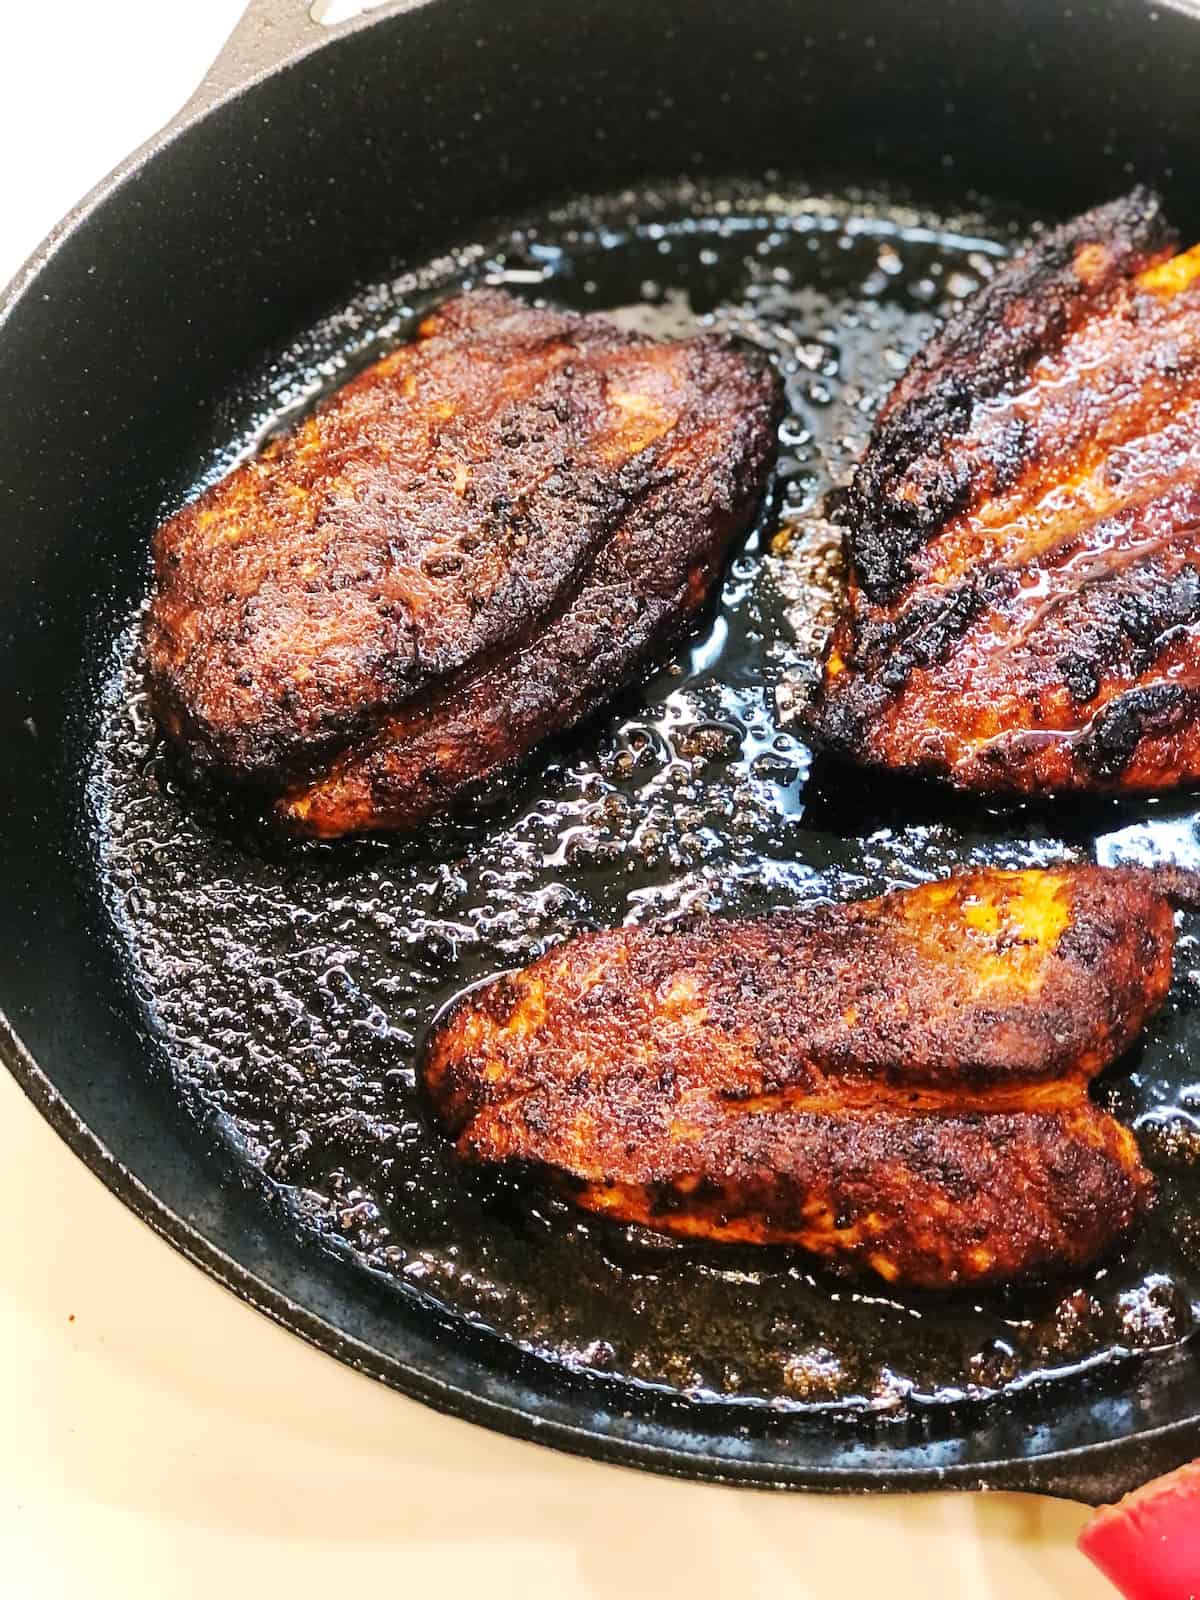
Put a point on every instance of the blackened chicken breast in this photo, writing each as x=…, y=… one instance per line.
x=901, y=1084
x=1023, y=532
x=469, y=546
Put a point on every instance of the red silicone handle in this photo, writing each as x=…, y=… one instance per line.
x=1149, y=1543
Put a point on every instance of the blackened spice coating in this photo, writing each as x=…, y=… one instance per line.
x=400, y=596
x=1024, y=530
x=688, y=499
x=901, y=1082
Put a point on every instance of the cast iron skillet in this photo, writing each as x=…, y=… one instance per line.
x=311, y=162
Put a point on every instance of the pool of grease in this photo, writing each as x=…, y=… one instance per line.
x=287, y=986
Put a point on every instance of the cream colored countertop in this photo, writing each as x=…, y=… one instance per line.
x=161, y=1441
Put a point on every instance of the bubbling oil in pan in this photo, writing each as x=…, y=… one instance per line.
x=288, y=986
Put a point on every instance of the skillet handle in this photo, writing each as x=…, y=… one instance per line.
x=271, y=34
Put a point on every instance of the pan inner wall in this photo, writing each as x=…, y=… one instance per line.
x=287, y=987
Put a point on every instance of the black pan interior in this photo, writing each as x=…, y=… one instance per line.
x=123, y=402
x=286, y=988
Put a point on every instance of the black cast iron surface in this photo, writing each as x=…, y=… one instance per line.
x=287, y=989
x=166, y=950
